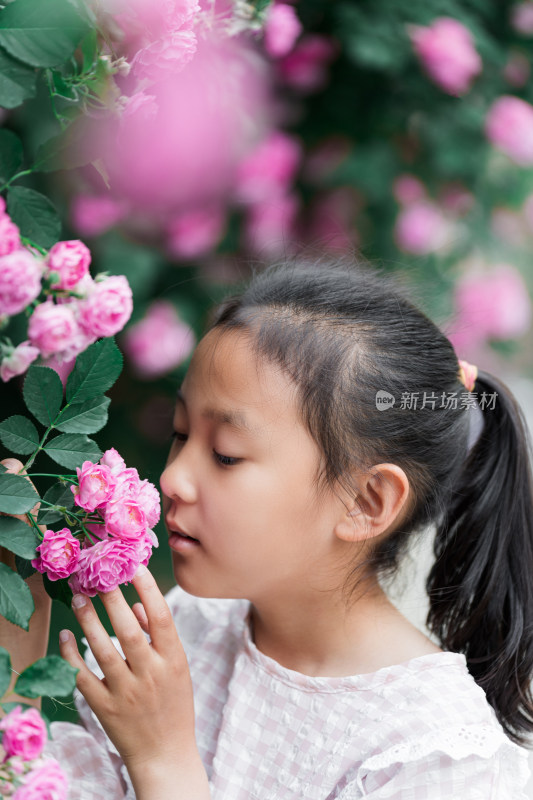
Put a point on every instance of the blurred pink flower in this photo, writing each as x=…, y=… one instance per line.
x=492, y=305
x=46, y=782
x=92, y=215
x=53, y=329
x=447, y=53
x=421, y=228
x=107, y=308
x=509, y=226
x=71, y=260
x=282, y=28
x=63, y=366
x=408, y=189
x=105, y=565
x=455, y=198
x=140, y=103
x=305, y=68
x=332, y=220
x=522, y=18
x=517, y=70
x=58, y=554
x=152, y=20
x=9, y=235
x=509, y=127
x=195, y=232
x=24, y=733
x=270, y=226
x=165, y=57
x=269, y=170
x=159, y=342
x=18, y=361
x=20, y=281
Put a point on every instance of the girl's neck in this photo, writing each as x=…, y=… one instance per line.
x=326, y=642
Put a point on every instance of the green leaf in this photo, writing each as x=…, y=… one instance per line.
x=24, y=567
x=17, y=81
x=18, y=537
x=5, y=671
x=59, y=495
x=89, y=50
x=16, y=602
x=68, y=150
x=87, y=417
x=95, y=371
x=43, y=394
x=19, y=434
x=10, y=154
x=72, y=449
x=35, y=215
x=25, y=707
x=59, y=590
x=41, y=32
x=51, y=675
x=17, y=495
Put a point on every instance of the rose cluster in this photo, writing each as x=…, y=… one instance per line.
x=24, y=773
x=121, y=511
x=76, y=310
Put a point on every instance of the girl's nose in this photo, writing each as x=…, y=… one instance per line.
x=176, y=482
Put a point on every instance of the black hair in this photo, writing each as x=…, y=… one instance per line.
x=347, y=334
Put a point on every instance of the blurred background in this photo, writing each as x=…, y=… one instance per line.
x=188, y=143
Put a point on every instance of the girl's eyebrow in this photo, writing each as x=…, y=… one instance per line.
x=233, y=418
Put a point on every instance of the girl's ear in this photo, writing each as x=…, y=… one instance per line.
x=382, y=498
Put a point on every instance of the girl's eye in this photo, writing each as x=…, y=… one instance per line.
x=225, y=461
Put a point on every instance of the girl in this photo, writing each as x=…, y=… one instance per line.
x=322, y=423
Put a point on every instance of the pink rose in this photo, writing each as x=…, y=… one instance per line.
x=522, y=18
x=196, y=232
x=270, y=226
x=18, y=360
x=150, y=502
x=164, y=58
x=125, y=519
x=140, y=103
x=154, y=19
x=92, y=215
x=447, y=53
x=112, y=459
x=58, y=554
x=159, y=342
x=127, y=484
x=305, y=68
x=53, y=329
x=509, y=127
x=24, y=733
x=282, y=28
x=47, y=782
x=144, y=547
x=270, y=169
x=9, y=235
x=20, y=281
x=107, y=309
x=421, y=228
x=61, y=365
x=407, y=189
x=96, y=486
x=105, y=565
x=71, y=260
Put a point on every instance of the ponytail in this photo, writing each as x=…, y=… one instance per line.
x=481, y=585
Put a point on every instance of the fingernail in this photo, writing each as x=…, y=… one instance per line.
x=64, y=636
x=10, y=463
x=79, y=600
x=141, y=570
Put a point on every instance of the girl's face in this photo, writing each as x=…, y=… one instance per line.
x=245, y=490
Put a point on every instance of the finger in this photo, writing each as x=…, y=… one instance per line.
x=106, y=654
x=127, y=629
x=89, y=685
x=140, y=613
x=161, y=625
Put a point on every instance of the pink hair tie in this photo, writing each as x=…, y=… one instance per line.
x=467, y=375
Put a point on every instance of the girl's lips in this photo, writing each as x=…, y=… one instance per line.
x=182, y=543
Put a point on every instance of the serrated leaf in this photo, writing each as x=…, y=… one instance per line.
x=17, y=81
x=19, y=434
x=18, y=537
x=25, y=707
x=87, y=417
x=16, y=602
x=35, y=215
x=51, y=676
x=59, y=590
x=72, y=449
x=43, y=394
x=59, y=495
x=5, y=671
x=10, y=154
x=41, y=34
x=95, y=371
x=24, y=567
x=17, y=495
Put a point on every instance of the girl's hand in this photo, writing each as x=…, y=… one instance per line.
x=25, y=647
x=145, y=703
